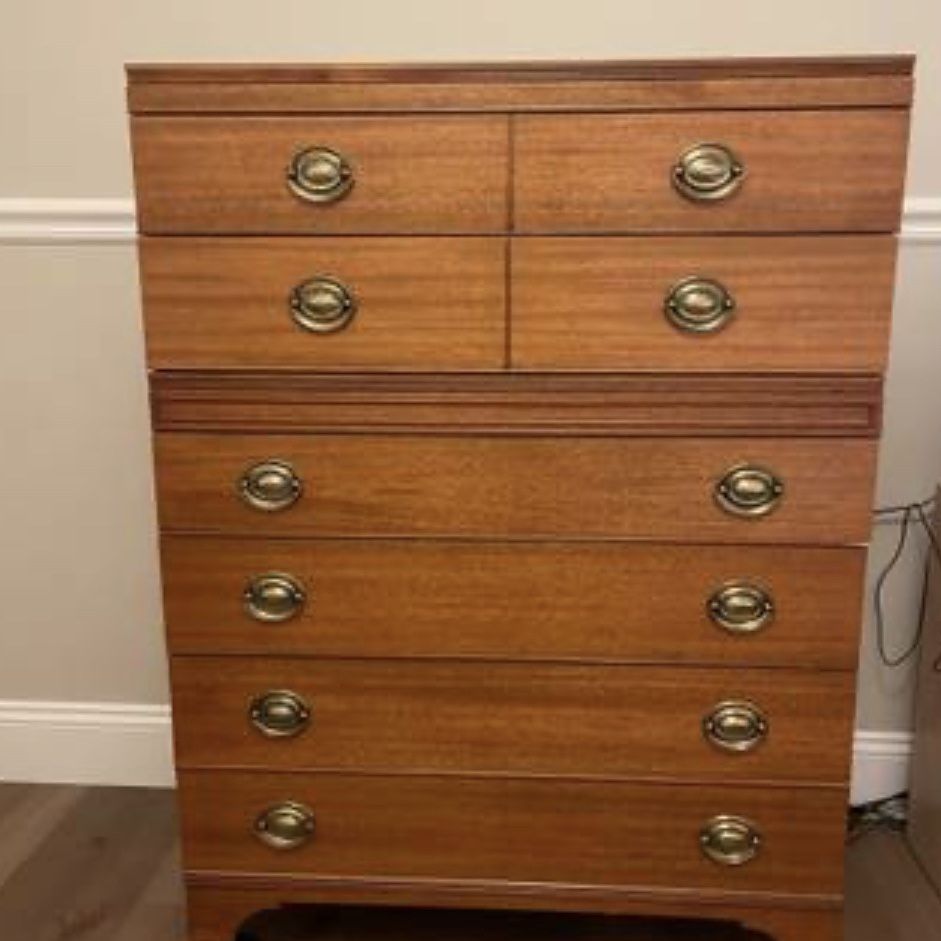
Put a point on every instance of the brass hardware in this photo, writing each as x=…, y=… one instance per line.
x=319, y=175
x=749, y=490
x=729, y=840
x=322, y=305
x=270, y=486
x=279, y=713
x=708, y=172
x=699, y=305
x=285, y=826
x=274, y=597
x=735, y=726
x=741, y=608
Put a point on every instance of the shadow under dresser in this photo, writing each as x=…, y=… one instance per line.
x=515, y=435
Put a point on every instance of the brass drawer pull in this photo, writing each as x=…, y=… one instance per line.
x=322, y=305
x=319, y=175
x=279, y=713
x=735, y=726
x=285, y=826
x=699, y=305
x=270, y=486
x=708, y=172
x=741, y=608
x=749, y=490
x=274, y=597
x=729, y=840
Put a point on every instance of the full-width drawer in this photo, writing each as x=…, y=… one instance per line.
x=733, y=303
x=578, y=600
x=517, y=830
x=762, y=171
x=373, y=303
x=722, y=489
x=510, y=718
x=315, y=175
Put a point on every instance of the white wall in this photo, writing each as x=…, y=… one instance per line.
x=77, y=563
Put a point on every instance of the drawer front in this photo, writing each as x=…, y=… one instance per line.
x=428, y=303
x=415, y=174
x=838, y=171
x=449, y=828
x=735, y=303
x=543, y=487
x=395, y=598
x=610, y=721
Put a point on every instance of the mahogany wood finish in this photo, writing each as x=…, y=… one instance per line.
x=827, y=171
x=422, y=303
x=600, y=488
x=662, y=404
x=508, y=718
x=516, y=830
x=615, y=602
x=598, y=303
x=507, y=535
x=412, y=175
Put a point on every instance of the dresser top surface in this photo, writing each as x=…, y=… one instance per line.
x=526, y=71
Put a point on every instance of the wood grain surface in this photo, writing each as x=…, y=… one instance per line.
x=563, y=404
x=522, y=601
x=422, y=303
x=510, y=718
x=824, y=171
x=417, y=174
x=517, y=487
x=801, y=303
x=518, y=831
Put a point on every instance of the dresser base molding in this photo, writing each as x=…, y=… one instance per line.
x=217, y=912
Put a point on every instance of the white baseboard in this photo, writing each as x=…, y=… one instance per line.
x=881, y=765
x=130, y=744
x=86, y=743
x=30, y=221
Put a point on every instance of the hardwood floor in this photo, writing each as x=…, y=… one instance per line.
x=101, y=864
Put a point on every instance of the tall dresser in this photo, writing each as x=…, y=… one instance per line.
x=515, y=431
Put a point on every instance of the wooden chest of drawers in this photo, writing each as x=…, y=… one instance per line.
x=515, y=436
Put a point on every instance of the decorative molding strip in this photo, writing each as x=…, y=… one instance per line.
x=131, y=744
x=86, y=743
x=921, y=220
x=881, y=765
x=57, y=221
x=26, y=221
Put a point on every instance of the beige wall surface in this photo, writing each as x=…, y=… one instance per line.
x=77, y=557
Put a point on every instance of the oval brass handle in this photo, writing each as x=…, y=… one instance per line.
x=322, y=305
x=708, y=172
x=749, y=490
x=729, y=840
x=279, y=713
x=699, y=305
x=285, y=826
x=274, y=597
x=735, y=726
x=270, y=486
x=319, y=175
x=741, y=608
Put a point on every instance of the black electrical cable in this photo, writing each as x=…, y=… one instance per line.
x=908, y=512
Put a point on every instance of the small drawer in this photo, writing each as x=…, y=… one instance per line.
x=478, y=829
x=729, y=171
x=722, y=490
x=703, y=304
x=324, y=303
x=515, y=600
x=320, y=175
x=709, y=724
